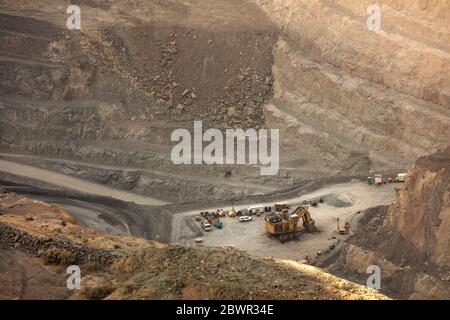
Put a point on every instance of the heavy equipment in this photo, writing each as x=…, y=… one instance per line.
x=220, y=213
x=206, y=226
x=343, y=230
x=256, y=211
x=217, y=223
x=308, y=222
x=198, y=240
x=401, y=177
x=284, y=226
x=281, y=207
x=232, y=213
x=378, y=179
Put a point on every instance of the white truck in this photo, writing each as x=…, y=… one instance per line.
x=378, y=179
x=401, y=177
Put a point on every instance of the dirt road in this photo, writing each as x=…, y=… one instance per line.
x=342, y=201
x=71, y=183
x=171, y=175
x=100, y=217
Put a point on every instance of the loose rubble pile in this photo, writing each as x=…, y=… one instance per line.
x=38, y=246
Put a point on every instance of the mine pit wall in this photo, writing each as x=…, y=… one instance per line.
x=422, y=211
x=117, y=101
x=363, y=101
x=387, y=57
x=409, y=240
x=156, y=185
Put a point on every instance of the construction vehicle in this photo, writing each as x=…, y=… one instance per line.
x=284, y=226
x=232, y=213
x=343, y=230
x=206, y=226
x=369, y=180
x=256, y=211
x=401, y=177
x=242, y=212
x=280, y=207
x=378, y=179
x=308, y=222
x=220, y=213
x=217, y=223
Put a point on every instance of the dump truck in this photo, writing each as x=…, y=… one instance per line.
x=343, y=230
x=284, y=226
x=281, y=207
x=256, y=211
x=401, y=177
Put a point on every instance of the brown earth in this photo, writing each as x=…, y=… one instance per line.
x=25, y=277
x=14, y=204
x=132, y=268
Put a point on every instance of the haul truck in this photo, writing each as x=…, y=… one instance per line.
x=401, y=177
x=284, y=226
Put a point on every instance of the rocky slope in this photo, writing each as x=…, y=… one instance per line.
x=44, y=241
x=111, y=93
x=410, y=240
x=357, y=99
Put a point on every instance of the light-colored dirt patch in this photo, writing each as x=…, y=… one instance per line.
x=74, y=183
x=251, y=236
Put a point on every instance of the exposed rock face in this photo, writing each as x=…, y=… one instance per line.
x=410, y=241
x=113, y=92
x=357, y=99
x=421, y=213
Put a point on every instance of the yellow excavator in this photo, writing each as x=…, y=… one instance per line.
x=308, y=222
x=284, y=226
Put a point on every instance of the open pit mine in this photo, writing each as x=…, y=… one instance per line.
x=224, y=150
